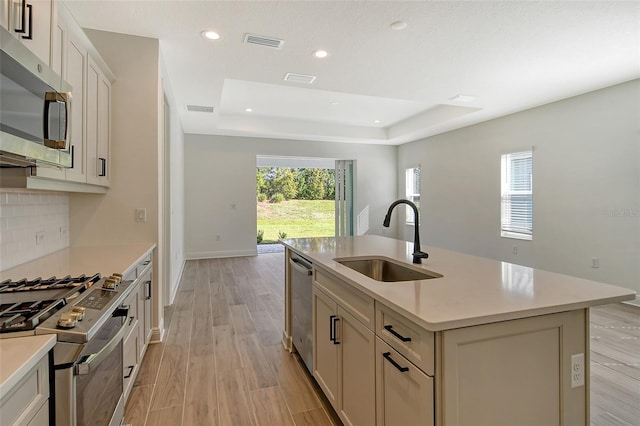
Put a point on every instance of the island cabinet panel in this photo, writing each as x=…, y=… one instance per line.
x=356, y=364
x=343, y=360
x=404, y=393
x=515, y=372
x=325, y=352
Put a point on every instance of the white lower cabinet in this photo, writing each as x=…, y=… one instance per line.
x=344, y=360
x=404, y=393
x=27, y=403
x=138, y=334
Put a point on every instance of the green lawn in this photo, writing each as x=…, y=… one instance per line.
x=298, y=218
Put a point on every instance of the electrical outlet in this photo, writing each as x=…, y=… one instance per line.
x=63, y=232
x=515, y=250
x=595, y=262
x=577, y=370
x=39, y=237
x=141, y=215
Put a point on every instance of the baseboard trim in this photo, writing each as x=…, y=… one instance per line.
x=635, y=302
x=174, y=287
x=219, y=254
x=287, y=342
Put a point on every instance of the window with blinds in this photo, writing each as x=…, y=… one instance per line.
x=412, y=193
x=516, y=219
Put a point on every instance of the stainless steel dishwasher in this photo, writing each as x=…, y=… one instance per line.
x=301, y=325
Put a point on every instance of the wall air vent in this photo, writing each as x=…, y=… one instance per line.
x=199, y=108
x=274, y=43
x=299, y=78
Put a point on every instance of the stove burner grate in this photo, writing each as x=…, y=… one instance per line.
x=8, y=286
x=22, y=307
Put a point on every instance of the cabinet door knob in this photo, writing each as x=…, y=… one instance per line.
x=387, y=356
x=390, y=329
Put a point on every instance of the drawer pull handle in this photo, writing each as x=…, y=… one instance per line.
x=131, y=367
x=387, y=356
x=333, y=334
x=390, y=329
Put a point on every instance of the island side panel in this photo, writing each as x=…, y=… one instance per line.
x=515, y=372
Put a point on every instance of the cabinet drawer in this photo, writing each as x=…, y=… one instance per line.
x=130, y=360
x=356, y=302
x=395, y=329
x=404, y=394
x=22, y=402
x=144, y=263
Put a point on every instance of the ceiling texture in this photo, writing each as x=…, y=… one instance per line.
x=378, y=84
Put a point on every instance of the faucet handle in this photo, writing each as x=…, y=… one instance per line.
x=418, y=256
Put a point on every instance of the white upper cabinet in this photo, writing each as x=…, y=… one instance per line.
x=30, y=22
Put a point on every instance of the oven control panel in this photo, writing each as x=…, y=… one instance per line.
x=79, y=320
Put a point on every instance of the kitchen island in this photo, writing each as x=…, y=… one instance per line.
x=488, y=342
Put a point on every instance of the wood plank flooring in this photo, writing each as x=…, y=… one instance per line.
x=615, y=365
x=222, y=362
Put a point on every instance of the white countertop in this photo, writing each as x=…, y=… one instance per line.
x=81, y=260
x=19, y=355
x=472, y=291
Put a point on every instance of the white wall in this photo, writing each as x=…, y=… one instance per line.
x=586, y=166
x=220, y=171
x=175, y=179
x=109, y=219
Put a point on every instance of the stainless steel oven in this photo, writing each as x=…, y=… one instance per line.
x=89, y=381
x=90, y=321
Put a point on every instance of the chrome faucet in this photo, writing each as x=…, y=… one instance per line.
x=418, y=255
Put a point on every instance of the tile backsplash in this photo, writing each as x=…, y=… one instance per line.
x=32, y=225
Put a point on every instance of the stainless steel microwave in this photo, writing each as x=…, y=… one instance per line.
x=35, y=109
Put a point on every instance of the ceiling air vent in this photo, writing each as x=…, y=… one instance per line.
x=299, y=78
x=272, y=42
x=199, y=108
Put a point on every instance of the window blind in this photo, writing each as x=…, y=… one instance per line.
x=412, y=191
x=517, y=195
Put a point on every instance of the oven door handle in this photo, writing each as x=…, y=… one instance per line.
x=91, y=361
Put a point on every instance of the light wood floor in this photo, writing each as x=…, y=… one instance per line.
x=615, y=365
x=222, y=362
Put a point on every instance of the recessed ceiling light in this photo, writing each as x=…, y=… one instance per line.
x=333, y=103
x=398, y=25
x=211, y=35
x=376, y=121
x=320, y=53
x=463, y=98
x=248, y=110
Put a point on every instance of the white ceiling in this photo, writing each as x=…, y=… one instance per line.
x=510, y=55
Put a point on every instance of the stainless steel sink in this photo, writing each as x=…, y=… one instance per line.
x=387, y=270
